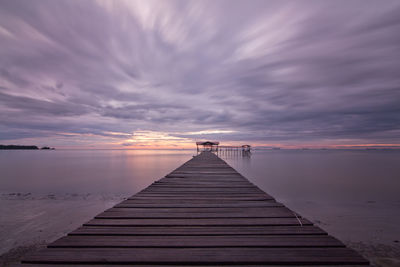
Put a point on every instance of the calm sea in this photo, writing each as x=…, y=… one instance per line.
x=288, y=175
x=354, y=195
x=324, y=175
x=85, y=171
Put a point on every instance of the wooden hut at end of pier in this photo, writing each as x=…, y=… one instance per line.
x=246, y=148
x=207, y=146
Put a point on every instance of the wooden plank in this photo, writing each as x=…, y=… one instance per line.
x=180, y=265
x=200, y=221
x=199, y=230
x=203, y=190
x=231, y=209
x=133, y=204
x=237, y=195
x=197, y=256
x=212, y=187
x=208, y=198
x=199, y=201
x=199, y=181
x=195, y=213
x=198, y=241
x=204, y=185
x=201, y=197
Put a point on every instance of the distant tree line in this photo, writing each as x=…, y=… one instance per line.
x=13, y=147
x=17, y=147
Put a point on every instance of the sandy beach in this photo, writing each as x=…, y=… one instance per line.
x=35, y=220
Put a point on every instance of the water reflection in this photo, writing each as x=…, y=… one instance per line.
x=233, y=153
x=312, y=175
x=93, y=171
x=238, y=160
x=323, y=175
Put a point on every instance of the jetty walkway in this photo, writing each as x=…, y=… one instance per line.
x=205, y=214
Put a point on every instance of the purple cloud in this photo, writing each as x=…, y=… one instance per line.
x=269, y=72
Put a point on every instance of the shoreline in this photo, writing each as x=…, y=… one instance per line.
x=377, y=239
x=39, y=220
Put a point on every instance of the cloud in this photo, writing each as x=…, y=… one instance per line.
x=269, y=72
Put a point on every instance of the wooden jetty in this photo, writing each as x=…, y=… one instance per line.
x=214, y=146
x=202, y=214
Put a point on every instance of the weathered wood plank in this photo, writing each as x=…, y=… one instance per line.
x=199, y=201
x=203, y=195
x=191, y=265
x=133, y=204
x=198, y=241
x=208, y=198
x=200, y=221
x=212, y=190
x=199, y=230
x=129, y=213
x=197, y=256
x=231, y=209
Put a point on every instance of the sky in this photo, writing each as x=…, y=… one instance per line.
x=163, y=74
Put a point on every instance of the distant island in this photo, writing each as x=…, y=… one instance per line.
x=19, y=147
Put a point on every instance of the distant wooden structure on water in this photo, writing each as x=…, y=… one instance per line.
x=207, y=146
x=213, y=146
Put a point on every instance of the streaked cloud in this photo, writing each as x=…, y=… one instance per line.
x=113, y=73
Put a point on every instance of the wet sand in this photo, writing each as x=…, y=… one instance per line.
x=371, y=228
x=33, y=221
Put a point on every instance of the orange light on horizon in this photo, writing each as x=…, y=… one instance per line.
x=171, y=140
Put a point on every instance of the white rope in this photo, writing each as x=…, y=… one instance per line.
x=297, y=218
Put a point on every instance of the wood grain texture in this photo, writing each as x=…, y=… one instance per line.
x=198, y=241
x=198, y=256
x=199, y=230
